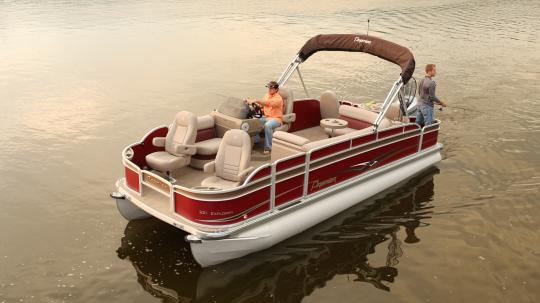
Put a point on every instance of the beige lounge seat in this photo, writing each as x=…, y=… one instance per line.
x=329, y=105
x=286, y=144
x=358, y=118
x=179, y=144
x=394, y=112
x=232, y=160
x=207, y=143
x=288, y=115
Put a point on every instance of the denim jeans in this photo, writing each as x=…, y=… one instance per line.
x=424, y=115
x=269, y=126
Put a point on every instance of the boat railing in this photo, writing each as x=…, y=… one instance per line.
x=126, y=159
x=281, y=173
x=260, y=173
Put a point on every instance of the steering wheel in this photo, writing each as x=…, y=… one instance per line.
x=407, y=93
x=255, y=111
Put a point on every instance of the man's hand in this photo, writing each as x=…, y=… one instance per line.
x=442, y=103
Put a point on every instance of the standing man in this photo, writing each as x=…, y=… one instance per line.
x=426, y=91
x=272, y=104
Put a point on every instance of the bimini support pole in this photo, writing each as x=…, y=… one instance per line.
x=289, y=70
x=302, y=80
x=388, y=101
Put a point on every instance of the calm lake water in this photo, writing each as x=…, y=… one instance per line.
x=79, y=80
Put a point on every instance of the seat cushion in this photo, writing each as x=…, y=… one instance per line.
x=347, y=112
x=284, y=127
x=208, y=147
x=217, y=182
x=163, y=161
x=394, y=111
x=291, y=138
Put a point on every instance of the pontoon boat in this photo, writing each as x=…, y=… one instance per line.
x=206, y=176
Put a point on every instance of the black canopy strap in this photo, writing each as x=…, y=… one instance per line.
x=381, y=48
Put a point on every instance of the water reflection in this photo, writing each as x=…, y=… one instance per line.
x=293, y=269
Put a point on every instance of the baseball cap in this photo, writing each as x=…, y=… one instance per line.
x=272, y=84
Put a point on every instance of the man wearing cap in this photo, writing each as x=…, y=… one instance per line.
x=272, y=104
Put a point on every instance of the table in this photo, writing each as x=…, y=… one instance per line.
x=333, y=123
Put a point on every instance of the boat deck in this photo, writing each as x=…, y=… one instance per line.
x=191, y=177
x=315, y=133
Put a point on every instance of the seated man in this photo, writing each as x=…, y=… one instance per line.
x=272, y=104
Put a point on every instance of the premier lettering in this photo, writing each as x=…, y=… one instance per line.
x=360, y=41
x=318, y=184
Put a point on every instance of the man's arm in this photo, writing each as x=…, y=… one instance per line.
x=258, y=101
x=273, y=102
x=432, y=95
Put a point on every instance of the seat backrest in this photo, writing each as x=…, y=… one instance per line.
x=394, y=112
x=205, y=122
x=183, y=130
x=363, y=115
x=329, y=105
x=234, y=155
x=288, y=99
x=205, y=128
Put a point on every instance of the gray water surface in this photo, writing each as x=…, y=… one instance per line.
x=79, y=80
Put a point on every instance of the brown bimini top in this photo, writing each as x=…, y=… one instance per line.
x=381, y=48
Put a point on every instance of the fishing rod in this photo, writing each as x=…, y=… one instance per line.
x=459, y=107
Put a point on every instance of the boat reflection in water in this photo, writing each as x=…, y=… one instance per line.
x=292, y=269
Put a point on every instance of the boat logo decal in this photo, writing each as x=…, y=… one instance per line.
x=234, y=216
x=216, y=213
x=361, y=41
x=155, y=182
x=316, y=184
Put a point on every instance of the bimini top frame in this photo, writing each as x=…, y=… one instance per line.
x=381, y=48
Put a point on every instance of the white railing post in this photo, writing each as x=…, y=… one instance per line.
x=273, y=187
x=306, y=175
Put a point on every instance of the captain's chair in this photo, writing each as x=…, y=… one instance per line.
x=288, y=115
x=179, y=144
x=232, y=160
